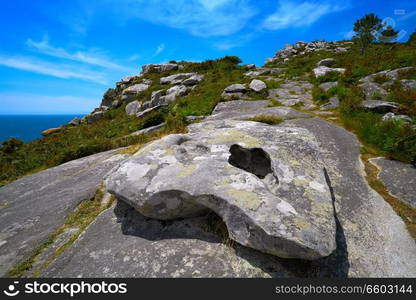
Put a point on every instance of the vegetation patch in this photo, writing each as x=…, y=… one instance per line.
x=217, y=226
x=81, y=218
x=271, y=120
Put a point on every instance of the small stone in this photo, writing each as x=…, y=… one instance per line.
x=132, y=108
x=258, y=85
x=328, y=85
x=236, y=88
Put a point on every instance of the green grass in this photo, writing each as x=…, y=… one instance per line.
x=273, y=84
x=218, y=75
x=271, y=120
x=71, y=143
x=329, y=77
x=394, y=139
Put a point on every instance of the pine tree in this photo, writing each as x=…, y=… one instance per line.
x=366, y=30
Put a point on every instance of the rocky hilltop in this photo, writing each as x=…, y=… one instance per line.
x=223, y=170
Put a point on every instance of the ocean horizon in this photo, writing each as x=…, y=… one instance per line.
x=29, y=127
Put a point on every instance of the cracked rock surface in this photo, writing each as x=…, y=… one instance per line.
x=266, y=183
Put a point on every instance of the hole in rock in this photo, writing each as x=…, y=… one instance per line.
x=254, y=160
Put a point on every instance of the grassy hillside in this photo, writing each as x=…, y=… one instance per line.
x=18, y=159
x=394, y=139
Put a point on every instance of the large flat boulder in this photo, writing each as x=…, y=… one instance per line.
x=372, y=240
x=399, y=179
x=266, y=183
x=33, y=207
x=243, y=110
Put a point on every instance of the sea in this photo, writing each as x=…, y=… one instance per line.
x=30, y=127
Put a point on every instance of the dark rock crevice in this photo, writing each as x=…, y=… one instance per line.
x=254, y=160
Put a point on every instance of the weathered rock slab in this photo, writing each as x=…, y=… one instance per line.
x=266, y=183
x=399, y=179
x=393, y=117
x=373, y=91
x=175, y=78
x=158, y=68
x=333, y=103
x=35, y=206
x=322, y=70
x=379, y=106
x=243, y=110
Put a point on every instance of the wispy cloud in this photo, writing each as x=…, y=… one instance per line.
x=203, y=18
x=55, y=70
x=347, y=34
x=234, y=42
x=159, y=50
x=292, y=14
x=134, y=57
x=94, y=59
x=407, y=16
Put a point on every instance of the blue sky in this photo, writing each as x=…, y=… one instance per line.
x=59, y=56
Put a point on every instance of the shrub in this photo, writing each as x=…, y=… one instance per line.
x=154, y=119
x=330, y=76
x=11, y=145
x=232, y=59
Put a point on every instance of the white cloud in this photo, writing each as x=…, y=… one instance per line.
x=159, y=49
x=134, y=57
x=292, y=14
x=347, y=34
x=95, y=59
x=234, y=42
x=54, y=70
x=199, y=17
x=212, y=4
x=407, y=16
